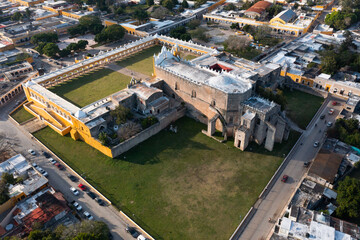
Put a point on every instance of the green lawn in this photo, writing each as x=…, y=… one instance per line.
x=177, y=186
x=301, y=107
x=141, y=62
x=91, y=87
x=21, y=115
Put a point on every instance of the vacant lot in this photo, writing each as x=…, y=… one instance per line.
x=177, y=186
x=21, y=115
x=91, y=87
x=301, y=107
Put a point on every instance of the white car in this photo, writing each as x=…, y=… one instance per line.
x=316, y=144
x=32, y=152
x=34, y=165
x=88, y=215
x=329, y=124
x=45, y=174
x=77, y=206
x=74, y=191
x=52, y=161
x=331, y=111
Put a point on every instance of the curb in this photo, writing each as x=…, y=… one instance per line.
x=129, y=219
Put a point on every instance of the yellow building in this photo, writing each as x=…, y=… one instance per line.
x=27, y=3
x=84, y=123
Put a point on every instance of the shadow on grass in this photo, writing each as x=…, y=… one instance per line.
x=73, y=84
x=139, y=56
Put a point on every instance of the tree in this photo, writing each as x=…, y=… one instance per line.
x=91, y=23
x=168, y=4
x=28, y=13
x=44, y=37
x=8, y=178
x=82, y=44
x=77, y=30
x=16, y=16
x=230, y=7
x=100, y=37
x=185, y=4
x=235, y=26
x=150, y=2
x=121, y=114
x=104, y=138
x=348, y=197
x=236, y=43
x=160, y=12
x=128, y=130
x=200, y=33
x=51, y=49
x=180, y=33
x=114, y=32
x=328, y=64
x=141, y=15
x=194, y=24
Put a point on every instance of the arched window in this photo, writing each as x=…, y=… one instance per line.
x=193, y=94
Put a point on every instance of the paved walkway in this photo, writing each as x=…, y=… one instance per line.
x=128, y=72
x=33, y=125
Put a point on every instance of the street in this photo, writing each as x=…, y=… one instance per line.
x=57, y=178
x=272, y=204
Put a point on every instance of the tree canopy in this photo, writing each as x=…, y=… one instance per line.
x=346, y=130
x=348, y=197
x=91, y=23
x=180, y=33
x=110, y=33
x=341, y=19
x=141, y=15
x=44, y=37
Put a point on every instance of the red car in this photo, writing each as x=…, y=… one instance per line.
x=284, y=178
x=59, y=166
x=82, y=187
x=334, y=103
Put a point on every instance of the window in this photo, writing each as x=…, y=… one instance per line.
x=213, y=103
x=193, y=93
x=177, y=86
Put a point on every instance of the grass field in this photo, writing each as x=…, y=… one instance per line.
x=141, y=62
x=177, y=186
x=91, y=87
x=301, y=106
x=21, y=115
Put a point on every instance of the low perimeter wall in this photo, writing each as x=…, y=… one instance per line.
x=164, y=121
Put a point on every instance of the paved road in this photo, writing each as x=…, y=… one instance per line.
x=279, y=194
x=58, y=178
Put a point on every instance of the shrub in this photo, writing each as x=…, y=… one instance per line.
x=148, y=121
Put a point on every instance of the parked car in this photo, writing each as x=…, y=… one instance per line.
x=306, y=164
x=100, y=201
x=32, y=152
x=46, y=155
x=45, y=173
x=77, y=205
x=88, y=215
x=284, y=178
x=34, y=165
x=322, y=116
x=74, y=191
x=52, y=161
x=331, y=111
x=316, y=144
x=132, y=231
x=141, y=237
x=82, y=187
x=72, y=177
x=334, y=103
x=91, y=194
x=59, y=166
x=329, y=124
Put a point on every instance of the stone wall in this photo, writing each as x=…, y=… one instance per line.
x=164, y=121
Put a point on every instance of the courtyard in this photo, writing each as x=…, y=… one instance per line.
x=170, y=183
x=91, y=87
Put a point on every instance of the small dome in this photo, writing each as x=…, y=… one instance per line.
x=80, y=114
x=221, y=80
x=29, y=83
